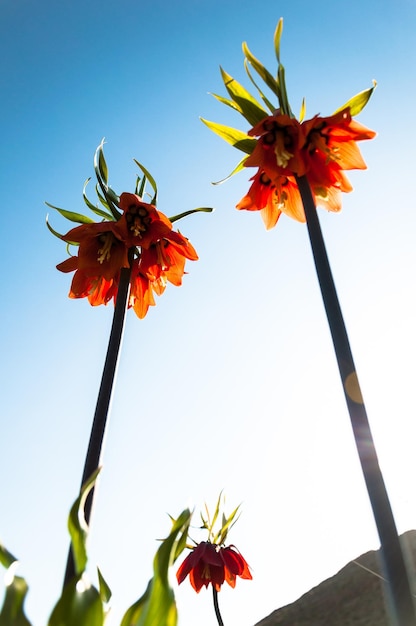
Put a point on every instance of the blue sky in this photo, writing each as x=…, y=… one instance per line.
x=230, y=382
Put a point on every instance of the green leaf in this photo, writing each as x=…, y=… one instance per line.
x=55, y=232
x=157, y=605
x=358, y=102
x=179, y=216
x=105, y=591
x=12, y=612
x=101, y=198
x=227, y=102
x=89, y=204
x=283, y=98
x=227, y=523
x=110, y=199
x=112, y=196
x=93, y=207
x=266, y=101
x=79, y=605
x=302, y=112
x=236, y=138
x=6, y=557
x=100, y=164
x=78, y=527
x=140, y=190
x=238, y=168
x=216, y=512
x=250, y=108
x=71, y=216
x=150, y=179
x=277, y=37
x=261, y=71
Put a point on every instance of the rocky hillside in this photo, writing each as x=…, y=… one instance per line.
x=353, y=597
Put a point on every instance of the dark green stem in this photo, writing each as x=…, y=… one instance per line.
x=403, y=611
x=216, y=607
x=92, y=459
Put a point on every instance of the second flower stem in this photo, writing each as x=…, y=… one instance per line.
x=216, y=606
x=92, y=459
x=395, y=569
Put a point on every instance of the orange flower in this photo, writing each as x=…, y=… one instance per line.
x=330, y=147
x=278, y=149
x=97, y=267
x=162, y=262
x=320, y=148
x=143, y=233
x=209, y=563
x=141, y=224
x=272, y=198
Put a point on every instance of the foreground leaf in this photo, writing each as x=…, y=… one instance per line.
x=79, y=605
x=12, y=612
x=6, y=557
x=105, y=591
x=78, y=527
x=157, y=606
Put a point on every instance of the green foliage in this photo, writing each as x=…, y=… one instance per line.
x=147, y=177
x=79, y=605
x=243, y=100
x=109, y=198
x=78, y=527
x=218, y=537
x=157, y=605
x=105, y=591
x=244, y=103
x=358, y=102
x=236, y=138
x=264, y=74
x=6, y=558
x=201, y=209
x=12, y=612
x=70, y=215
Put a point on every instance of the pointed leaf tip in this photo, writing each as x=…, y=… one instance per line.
x=357, y=103
x=277, y=37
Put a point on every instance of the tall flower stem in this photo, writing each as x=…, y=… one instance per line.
x=216, y=607
x=92, y=459
x=401, y=600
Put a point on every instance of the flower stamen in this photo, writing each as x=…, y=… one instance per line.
x=138, y=219
x=104, y=253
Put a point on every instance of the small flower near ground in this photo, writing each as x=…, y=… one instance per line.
x=212, y=564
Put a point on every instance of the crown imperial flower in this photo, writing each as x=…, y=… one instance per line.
x=212, y=564
x=283, y=148
x=134, y=235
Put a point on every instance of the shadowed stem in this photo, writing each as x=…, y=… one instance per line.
x=92, y=459
x=394, y=566
x=216, y=607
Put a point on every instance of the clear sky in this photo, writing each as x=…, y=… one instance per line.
x=230, y=382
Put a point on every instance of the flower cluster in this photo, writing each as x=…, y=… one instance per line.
x=284, y=149
x=133, y=237
x=210, y=563
x=320, y=148
x=141, y=239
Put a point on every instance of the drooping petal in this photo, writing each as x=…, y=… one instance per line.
x=141, y=223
